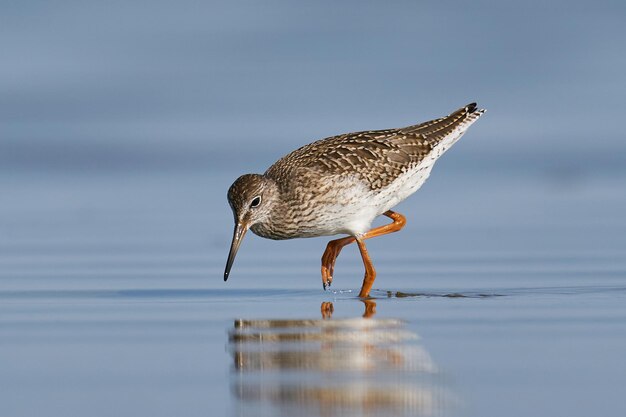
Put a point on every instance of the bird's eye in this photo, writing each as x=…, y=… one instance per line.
x=255, y=201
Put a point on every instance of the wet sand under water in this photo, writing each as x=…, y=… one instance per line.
x=109, y=306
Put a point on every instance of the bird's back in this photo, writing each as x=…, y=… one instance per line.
x=376, y=157
x=340, y=184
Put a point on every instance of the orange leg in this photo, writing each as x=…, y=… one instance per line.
x=330, y=256
x=334, y=248
x=370, y=272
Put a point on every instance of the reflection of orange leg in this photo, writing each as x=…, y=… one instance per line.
x=370, y=309
x=334, y=247
x=327, y=309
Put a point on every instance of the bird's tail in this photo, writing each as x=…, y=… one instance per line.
x=451, y=126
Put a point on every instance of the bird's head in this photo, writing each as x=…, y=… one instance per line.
x=251, y=198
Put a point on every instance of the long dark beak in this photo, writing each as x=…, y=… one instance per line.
x=238, y=234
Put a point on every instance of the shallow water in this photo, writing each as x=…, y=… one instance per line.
x=501, y=297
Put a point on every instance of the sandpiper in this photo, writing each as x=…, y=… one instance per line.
x=339, y=185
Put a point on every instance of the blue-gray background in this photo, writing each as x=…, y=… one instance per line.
x=122, y=124
x=160, y=85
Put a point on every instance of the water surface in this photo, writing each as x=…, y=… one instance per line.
x=112, y=303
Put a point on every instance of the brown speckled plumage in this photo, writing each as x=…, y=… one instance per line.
x=377, y=156
x=341, y=183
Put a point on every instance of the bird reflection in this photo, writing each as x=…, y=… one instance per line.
x=331, y=367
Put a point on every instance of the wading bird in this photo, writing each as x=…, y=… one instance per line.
x=339, y=185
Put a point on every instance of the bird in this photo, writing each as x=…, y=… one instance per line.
x=340, y=184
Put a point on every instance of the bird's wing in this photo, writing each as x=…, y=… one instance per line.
x=377, y=157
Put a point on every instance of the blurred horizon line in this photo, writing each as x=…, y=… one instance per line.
x=96, y=158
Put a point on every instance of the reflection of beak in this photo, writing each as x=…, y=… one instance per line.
x=238, y=234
